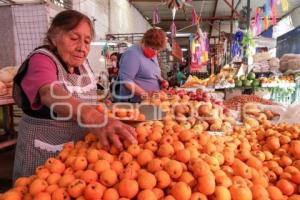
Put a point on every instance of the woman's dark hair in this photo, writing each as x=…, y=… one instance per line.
x=114, y=54
x=66, y=21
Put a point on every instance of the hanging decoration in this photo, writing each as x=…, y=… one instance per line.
x=257, y=21
x=173, y=30
x=266, y=22
x=155, y=16
x=105, y=51
x=248, y=43
x=284, y=5
x=199, y=47
x=268, y=8
x=273, y=12
x=236, y=49
x=195, y=17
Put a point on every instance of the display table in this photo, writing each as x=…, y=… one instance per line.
x=9, y=136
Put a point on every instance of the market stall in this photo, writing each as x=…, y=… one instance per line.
x=231, y=131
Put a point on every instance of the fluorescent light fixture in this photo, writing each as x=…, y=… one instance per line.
x=181, y=34
x=101, y=59
x=103, y=43
x=184, y=49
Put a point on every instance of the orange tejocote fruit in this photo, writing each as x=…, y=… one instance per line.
x=59, y=194
x=174, y=169
x=221, y=193
x=183, y=155
x=93, y=155
x=66, y=180
x=154, y=165
x=274, y=193
x=163, y=179
x=146, y=195
x=188, y=178
x=134, y=149
x=53, y=178
x=146, y=180
x=286, y=187
x=94, y=191
x=207, y=184
x=198, y=196
x=89, y=176
x=38, y=185
x=240, y=192
x=181, y=191
x=42, y=196
x=76, y=188
x=23, y=181
x=186, y=135
x=258, y=191
x=128, y=188
x=55, y=165
x=80, y=163
x=144, y=157
x=101, y=165
x=108, y=177
x=165, y=150
x=111, y=194
x=11, y=195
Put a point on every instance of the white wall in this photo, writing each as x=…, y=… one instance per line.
x=296, y=17
x=97, y=10
x=125, y=18
x=112, y=16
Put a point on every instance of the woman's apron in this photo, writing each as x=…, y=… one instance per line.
x=39, y=139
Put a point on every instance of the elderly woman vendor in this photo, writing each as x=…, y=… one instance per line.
x=56, y=90
x=139, y=72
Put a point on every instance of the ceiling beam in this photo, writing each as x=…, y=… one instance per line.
x=212, y=21
x=232, y=8
x=214, y=18
x=237, y=4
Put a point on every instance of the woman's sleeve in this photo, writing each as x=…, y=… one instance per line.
x=41, y=71
x=129, y=66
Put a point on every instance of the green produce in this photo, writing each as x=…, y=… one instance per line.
x=251, y=76
x=238, y=83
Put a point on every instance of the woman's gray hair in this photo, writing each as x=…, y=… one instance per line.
x=66, y=21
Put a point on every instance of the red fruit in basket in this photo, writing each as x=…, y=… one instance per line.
x=199, y=97
x=205, y=94
x=206, y=99
x=225, y=110
x=165, y=84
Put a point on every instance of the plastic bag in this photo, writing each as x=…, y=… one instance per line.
x=290, y=114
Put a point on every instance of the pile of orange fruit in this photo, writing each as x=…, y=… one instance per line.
x=173, y=163
x=123, y=113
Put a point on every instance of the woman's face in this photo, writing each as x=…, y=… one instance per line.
x=74, y=46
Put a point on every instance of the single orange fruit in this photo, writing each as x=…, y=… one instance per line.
x=128, y=188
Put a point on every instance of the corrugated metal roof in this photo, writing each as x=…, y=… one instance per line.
x=222, y=9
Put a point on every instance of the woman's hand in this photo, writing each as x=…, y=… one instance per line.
x=114, y=132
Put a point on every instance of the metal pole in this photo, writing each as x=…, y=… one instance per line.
x=231, y=30
x=248, y=14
